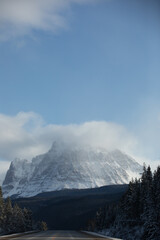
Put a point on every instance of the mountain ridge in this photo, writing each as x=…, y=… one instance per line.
x=64, y=167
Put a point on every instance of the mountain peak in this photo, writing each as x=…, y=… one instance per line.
x=72, y=167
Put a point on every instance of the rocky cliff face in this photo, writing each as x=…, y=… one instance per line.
x=69, y=167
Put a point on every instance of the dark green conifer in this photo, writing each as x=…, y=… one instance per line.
x=1, y=209
x=139, y=209
x=27, y=219
x=8, y=214
x=42, y=226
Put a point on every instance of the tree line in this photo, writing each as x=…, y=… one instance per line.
x=137, y=215
x=14, y=219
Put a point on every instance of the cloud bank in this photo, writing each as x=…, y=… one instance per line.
x=22, y=17
x=26, y=135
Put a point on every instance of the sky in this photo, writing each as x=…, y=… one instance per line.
x=79, y=69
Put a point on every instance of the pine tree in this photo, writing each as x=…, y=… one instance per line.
x=14, y=219
x=1, y=209
x=18, y=219
x=27, y=219
x=110, y=215
x=129, y=208
x=42, y=226
x=8, y=214
x=139, y=208
x=100, y=218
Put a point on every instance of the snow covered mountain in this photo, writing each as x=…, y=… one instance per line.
x=69, y=167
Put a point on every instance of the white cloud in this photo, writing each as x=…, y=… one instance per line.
x=26, y=135
x=22, y=17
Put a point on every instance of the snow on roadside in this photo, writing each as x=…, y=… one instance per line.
x=17, y=234
x=100, y=235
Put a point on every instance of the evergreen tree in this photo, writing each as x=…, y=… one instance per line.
x=100, y=218
x=18, y=219
x=14, y=219
x=139, y=209
x=152, y=209
x=1, y=209
x=27, y=219
x=8, y=214
x=110, y=215
x=42, y=226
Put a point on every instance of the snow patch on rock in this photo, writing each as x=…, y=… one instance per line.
x=69, y=167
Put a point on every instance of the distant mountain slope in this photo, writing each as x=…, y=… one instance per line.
x=71, y=209
x=64, y=167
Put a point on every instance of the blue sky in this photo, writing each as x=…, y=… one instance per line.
x=101, y=68
x=94, y=61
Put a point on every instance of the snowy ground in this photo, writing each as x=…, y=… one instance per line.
x=16, y=234
x=101, y=235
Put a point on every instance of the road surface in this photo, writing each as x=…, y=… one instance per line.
x=59, y=235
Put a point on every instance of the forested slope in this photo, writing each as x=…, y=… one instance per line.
x=137, y=216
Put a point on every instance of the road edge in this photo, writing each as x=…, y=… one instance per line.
x=11, y=236
x=100, y=235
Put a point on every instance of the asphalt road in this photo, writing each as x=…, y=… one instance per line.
x=59, y=235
